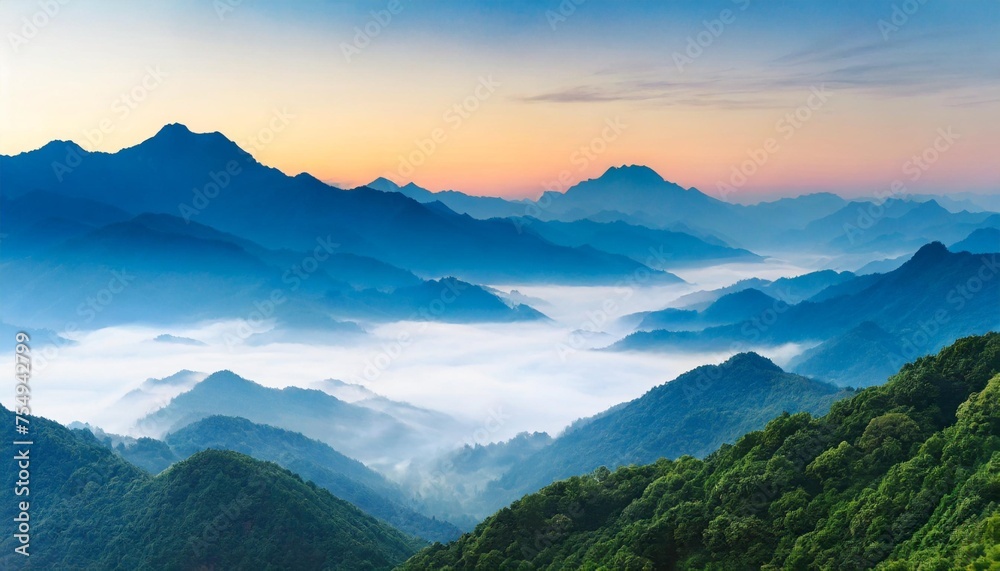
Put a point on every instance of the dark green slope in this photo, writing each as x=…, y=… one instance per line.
x=344, y=477
x=693, y=414
x=92, y=510
x=901, y=476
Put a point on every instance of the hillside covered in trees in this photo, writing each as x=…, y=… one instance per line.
x=901, y=476
x=90, y=509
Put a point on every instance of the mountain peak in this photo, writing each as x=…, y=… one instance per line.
x=173, y=130
x=383, y=184
x=752, y=360
x=930, y=207
x=638, y=174
x=176, y=137
x=225, y=378
x=930, y=253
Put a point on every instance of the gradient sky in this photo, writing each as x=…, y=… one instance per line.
x=559, y=82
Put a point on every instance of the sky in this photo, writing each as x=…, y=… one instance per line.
x=507, y=98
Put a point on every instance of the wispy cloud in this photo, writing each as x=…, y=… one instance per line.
x=918, y=66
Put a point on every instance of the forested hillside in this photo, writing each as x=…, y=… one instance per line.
x=901, y=476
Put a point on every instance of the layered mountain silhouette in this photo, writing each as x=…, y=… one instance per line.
x=208, y=179
x=931, y=300
x=365, y=432
x=90, y=508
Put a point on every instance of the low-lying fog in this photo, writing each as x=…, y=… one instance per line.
x=532, y=376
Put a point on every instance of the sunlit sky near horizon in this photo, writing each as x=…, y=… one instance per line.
x=693, y=89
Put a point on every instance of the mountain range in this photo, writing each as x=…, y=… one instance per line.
x=934, y=298
x=207, y=178
x=217, y=509
x=900, y=476
x=365, y=430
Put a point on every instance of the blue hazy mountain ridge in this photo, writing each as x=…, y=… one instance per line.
x=371, y=436
x=482, y=207
x=663, y=249
x=892, y=225
x=980, y=241
x=209, y=179
x=471, y=303
x=163, y=259
x=315, y=461
x=658, y=247
x=730, y=308
x=931, y=300
x=858, y=357
x=787, y=289
x=693, y=414
x=40, y=219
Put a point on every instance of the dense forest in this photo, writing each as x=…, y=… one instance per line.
x=90, y=509
x=901, y=476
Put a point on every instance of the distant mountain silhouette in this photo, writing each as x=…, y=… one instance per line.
x=209, y=179
x=931, y=300
x=858, y=358
x=662, y=249
x=980, y=241
x=372, y=436
x=730, y=308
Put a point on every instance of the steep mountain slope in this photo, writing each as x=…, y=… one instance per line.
x=901, y=476
x=693, y=414
x=90, y=509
